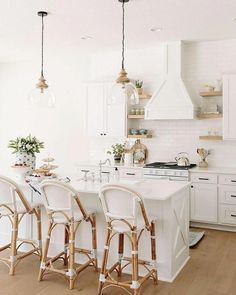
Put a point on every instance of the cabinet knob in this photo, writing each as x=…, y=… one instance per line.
x=105, y=134
x=191, y=186
x=101, y=134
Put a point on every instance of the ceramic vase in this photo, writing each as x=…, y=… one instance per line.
x=140, y=91
x=26, y=159
x=203, y=163
x=117, y=159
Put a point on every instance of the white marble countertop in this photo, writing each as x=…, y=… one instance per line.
x=217, y=170
x=119, y=165
x=161, y=189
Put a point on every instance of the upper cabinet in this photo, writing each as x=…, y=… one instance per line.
x=229, y=107
x=104, y=118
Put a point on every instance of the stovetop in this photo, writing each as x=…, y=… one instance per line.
x=168, y=165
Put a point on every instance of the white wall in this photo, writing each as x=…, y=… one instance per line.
x=61, y=128
x=203, y=62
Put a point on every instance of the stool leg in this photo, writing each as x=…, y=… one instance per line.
x=153, y=250
x=14, y=235
x=71, y=270
x=135, y=283
x=120, y=252
x=94, y=240
x=66, y=243
x=45, y=251
x=39, y=231
x=104, y=261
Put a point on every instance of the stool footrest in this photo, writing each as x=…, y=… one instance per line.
x=53, y=259
x=5, y=247
x=81, y=250
x=140, y=261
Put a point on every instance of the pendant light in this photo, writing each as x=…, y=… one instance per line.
x=41, y=95
x=123, y=88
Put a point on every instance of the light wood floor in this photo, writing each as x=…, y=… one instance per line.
x=211, y=271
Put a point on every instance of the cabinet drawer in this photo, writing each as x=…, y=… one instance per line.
x=227, y=194
x=204, y=177
x=131, y=173
x=227, y=179
x=227, y=214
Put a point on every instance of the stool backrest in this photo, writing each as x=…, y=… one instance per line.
x=60, y=197
x=122, y=203
x=11, y=194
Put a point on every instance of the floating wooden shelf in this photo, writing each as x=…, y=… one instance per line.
x=139, y=136
x=135, y=116
x=209, y=116
x=211, y=137
x=145, y=96
x=211, y=94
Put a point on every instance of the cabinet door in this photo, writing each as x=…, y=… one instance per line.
x=203, y=202
x=229, y=106
x=95, y=109
x=115, y=121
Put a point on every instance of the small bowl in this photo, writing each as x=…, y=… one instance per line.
x=143, y=131
x=134, y=131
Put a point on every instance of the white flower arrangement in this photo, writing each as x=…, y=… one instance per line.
x=30, y=145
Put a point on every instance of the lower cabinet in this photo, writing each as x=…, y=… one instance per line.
x=227, y=203
x=204, y=202
x=227, y=214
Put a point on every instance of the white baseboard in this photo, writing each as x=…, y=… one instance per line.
x=213, y=226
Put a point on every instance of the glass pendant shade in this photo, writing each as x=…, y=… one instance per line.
x=127, y=91
x=41, y=95
x=42, y=98
x=123, y=89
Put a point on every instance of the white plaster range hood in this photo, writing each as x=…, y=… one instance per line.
x=171, y=100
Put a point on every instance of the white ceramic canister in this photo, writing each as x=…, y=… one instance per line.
x=128, y=158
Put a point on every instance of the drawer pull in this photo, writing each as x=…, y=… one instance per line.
x=233, y=180
x=202, y=178
x=233, y=215
x=130, y=173
x=233, y=196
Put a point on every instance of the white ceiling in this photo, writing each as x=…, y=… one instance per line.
x=71, y=19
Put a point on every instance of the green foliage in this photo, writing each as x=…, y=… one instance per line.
x=117, y=149
x=30, y=145
x=138, y=84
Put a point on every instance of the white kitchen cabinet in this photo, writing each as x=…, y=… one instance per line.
x=95, y=109
x=102, y=118
x=227, y=214
x=131, y=173
x=229, y=107
x=204, y=202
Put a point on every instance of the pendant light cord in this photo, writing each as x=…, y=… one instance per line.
x=42, y=44
x=123, y=35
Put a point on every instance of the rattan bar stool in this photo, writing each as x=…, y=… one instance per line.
x=126, y=216
x=14, y=206
x=63, y=207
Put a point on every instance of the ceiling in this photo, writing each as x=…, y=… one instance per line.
x=69, y=20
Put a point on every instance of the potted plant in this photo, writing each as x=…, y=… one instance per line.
x=25, y=149
x=139, y=86
x=117, y=150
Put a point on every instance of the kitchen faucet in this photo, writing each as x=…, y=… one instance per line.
x=100, y=167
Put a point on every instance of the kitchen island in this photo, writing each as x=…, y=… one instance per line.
x=168, y=201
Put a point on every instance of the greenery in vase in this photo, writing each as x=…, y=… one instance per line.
x=138, y=84
x=30, y=145
x=117, y=149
